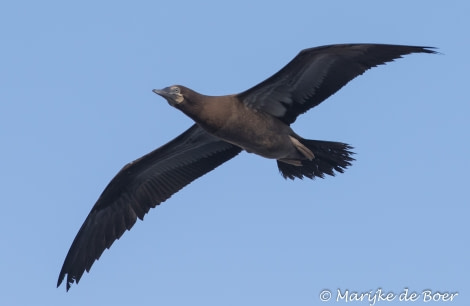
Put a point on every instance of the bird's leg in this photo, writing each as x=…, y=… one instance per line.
x=293, y=162
x=302, y=149
x=306, y=152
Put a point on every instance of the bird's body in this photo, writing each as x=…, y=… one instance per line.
x=254, y=131
x=266, y=136
x=257, y=120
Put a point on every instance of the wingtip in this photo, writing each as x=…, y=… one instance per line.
x=431, y=50
x=61, y=279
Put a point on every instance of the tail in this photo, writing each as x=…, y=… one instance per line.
x=329, y=157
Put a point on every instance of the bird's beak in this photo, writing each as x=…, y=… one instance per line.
x=162, y=92
x=169, y=96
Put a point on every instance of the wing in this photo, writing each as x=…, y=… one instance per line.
x=139, y=186
x=317, y=73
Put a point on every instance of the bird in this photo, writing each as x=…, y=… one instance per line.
x=257, y=121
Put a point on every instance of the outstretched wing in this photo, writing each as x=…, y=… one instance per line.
x=317, y=73
x=139, y=186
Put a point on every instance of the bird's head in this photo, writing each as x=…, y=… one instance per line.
x=186, y=100
x=173, y=94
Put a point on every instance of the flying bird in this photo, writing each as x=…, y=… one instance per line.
x=257, y=120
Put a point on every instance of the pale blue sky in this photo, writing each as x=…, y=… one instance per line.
x=76, y=105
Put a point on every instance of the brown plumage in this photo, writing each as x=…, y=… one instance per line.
x=257, y=120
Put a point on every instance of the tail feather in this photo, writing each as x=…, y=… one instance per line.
x=329, y=157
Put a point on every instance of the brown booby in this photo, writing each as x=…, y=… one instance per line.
x=257, y=121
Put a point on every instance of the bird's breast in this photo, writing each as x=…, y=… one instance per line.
x=259, y=133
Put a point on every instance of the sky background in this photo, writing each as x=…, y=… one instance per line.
x=76, y=105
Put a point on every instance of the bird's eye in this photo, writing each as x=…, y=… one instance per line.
x=176, y=90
